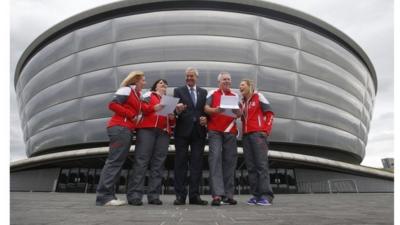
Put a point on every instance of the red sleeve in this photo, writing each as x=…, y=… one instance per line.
x=269, y=118
x=121, y=110
x=148, y=105
x=147, y=108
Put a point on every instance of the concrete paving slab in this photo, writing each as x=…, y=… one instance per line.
x=35, y=208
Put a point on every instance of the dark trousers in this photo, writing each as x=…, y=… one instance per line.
x=255, y=148
x=120, y=143
x=151, y=150
x=183, y=162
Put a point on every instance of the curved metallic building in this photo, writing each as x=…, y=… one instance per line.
x=320, y=83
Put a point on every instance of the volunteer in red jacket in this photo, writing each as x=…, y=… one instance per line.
x=256, y=124
x=151, y=149
x=126, y=106
x=222, y=131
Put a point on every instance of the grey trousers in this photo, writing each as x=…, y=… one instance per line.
x=255, y=148
x=151, y=149
x=120, y=143
x=222, y=160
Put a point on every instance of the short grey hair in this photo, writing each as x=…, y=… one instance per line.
x=223, y=73
x=192, y=69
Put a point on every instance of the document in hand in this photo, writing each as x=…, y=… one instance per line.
x=169, y=104
x=229, y=102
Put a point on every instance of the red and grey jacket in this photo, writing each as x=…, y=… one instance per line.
x=150, y=119
x=218, y=121
x=257, y=114
x=126, y=106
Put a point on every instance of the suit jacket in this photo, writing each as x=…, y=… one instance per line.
x=184, y=122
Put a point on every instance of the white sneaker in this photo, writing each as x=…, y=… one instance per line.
x=115, y=202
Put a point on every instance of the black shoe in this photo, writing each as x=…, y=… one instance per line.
x=179, y=201
x=228, y=201
x=216, y=201
x=155, y=202
x=135, y=201
x=197, y=201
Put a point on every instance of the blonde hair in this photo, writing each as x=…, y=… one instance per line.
x=250, y=83
x=132, y=78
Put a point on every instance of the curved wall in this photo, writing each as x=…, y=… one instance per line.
x=321, y=93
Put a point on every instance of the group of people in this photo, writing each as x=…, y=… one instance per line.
x=197, y=115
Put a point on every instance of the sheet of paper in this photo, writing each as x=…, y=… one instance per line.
x=228, y=112
x=169, y=104
x=229, y=102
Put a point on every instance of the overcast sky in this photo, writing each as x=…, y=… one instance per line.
x=368, y=22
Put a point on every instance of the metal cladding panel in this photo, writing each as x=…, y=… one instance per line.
x=186, y=22
x=174, y=72
x=96, y=106
x=63, y=135
x=282, y=105
x=25, y=132
x=321, y=135
x=360, y=145
x=276, y=80
x=365, y=118
x=371, y=88
x=316, y=87
x=98, y=82
x=279, y=32
x=22, y=117
x=66, y=112
x=58, y=93
x=56, y=72
x=51, y=53
x=138, y=26
x=322, y=91
x=237, y=72
x=280, y=130
x=333, y=52
x=278, y=56
x=29, y=147
x=192, y=48
x=363, y=132
x=327, y=115
x=26, y=75
x=154, y=71
x=95, y=130
x=19, y=87
x=331, y=73
x=94, y=35
x=19, y=104
x=367, y=102
x=95, y=58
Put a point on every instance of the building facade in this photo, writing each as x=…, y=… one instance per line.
x=320, y=83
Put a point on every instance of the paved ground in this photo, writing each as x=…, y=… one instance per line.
x=307, y=209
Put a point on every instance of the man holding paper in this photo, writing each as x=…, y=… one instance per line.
x=222, y=108
x=190, y=130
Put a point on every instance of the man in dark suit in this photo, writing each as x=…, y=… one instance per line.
x=190, y=130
